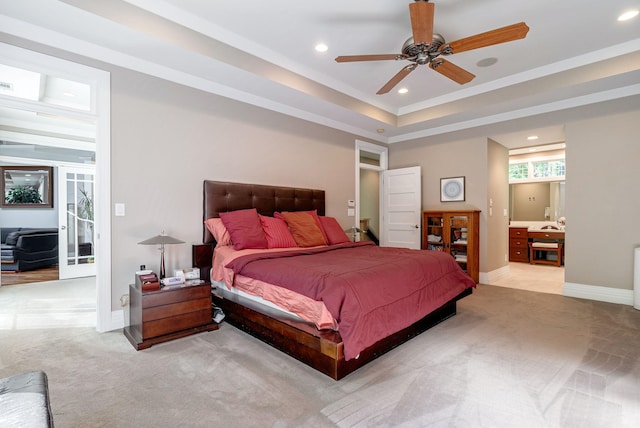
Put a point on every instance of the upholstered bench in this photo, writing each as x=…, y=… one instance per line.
x=544, y=248
x=24, y=401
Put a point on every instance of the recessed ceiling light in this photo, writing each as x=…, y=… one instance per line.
x=532, y=137
x=487, y=62
x=321, y=47
x=69, y=94
x=380, y=130
x=628, y=15
x=403, y=90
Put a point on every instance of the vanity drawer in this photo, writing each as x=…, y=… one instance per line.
x=518, y=254
x=518, y=232
x=518, y=242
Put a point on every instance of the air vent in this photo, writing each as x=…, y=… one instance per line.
x=6, y=86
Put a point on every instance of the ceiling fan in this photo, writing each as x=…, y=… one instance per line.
x=426, y=47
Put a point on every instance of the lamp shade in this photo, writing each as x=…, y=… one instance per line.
x=161, y=240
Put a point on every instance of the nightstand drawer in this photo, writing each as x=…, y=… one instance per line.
x=166, y=311
x=166, y=297
x=176, y=323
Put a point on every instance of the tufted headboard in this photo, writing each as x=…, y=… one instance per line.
x=221, y=196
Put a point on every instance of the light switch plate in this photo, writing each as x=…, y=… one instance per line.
x=119, y=208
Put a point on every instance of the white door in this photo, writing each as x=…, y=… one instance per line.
x=401, y=207
x=76, y=245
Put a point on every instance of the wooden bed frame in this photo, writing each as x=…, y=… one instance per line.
x=320, y=349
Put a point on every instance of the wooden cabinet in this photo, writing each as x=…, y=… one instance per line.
x=456, y=233
x=518, y=244
x=159, y=316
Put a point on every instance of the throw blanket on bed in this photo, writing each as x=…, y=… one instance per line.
x=371, y=291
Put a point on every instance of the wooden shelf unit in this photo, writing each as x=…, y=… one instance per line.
x=452, y=227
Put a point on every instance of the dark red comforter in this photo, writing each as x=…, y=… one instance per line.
x=371, y=291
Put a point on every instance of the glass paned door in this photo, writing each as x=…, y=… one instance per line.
x=458, y=229
x=76, y=217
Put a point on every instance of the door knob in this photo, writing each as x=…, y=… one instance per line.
x=417, y=227
x=63, y=227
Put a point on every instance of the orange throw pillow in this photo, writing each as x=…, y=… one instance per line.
x=304, y=229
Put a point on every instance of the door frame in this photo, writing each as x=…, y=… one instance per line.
x=100, y=81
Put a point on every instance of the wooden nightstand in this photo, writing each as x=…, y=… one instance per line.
x=163, y=315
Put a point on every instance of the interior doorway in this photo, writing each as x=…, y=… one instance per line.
x=56, y=113
x=537, y=177
x=370, y=161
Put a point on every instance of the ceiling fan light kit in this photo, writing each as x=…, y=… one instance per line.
x=426, y=47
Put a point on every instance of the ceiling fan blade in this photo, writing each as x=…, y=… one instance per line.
x=397, y=78
x=352, y=58
x=493, y=37
x=452, y=71
x=422, y=21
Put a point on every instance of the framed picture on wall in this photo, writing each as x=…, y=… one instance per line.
x=26, y=186
x=452, y=189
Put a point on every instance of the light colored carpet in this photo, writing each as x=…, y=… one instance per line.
x=510, y=358
x=51, y=304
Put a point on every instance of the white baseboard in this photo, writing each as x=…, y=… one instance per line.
x=494, y=275
x=117, y=319
x=601, y=294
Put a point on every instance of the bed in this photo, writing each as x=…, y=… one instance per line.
x=368, y=332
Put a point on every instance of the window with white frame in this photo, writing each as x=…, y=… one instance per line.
x=551, y=169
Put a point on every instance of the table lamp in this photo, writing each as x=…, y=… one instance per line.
x=161, y=240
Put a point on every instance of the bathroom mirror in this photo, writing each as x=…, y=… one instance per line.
x=542, y=201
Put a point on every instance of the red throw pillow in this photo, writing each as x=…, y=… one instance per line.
x=304, y=229
x=334, y=231
x=277, y=233
x=244, y=228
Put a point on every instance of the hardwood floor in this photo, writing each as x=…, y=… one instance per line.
x=37, y=275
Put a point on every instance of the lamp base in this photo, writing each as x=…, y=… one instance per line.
x=162, y=270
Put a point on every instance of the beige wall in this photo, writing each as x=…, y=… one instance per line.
x=466, y=158
x=496, y=246
x=602, y=200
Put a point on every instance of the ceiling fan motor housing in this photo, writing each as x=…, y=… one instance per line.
x=423, y=53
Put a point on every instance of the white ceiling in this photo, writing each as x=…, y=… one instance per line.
x=576, y=54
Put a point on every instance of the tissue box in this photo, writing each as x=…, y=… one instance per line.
x=188, y=273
